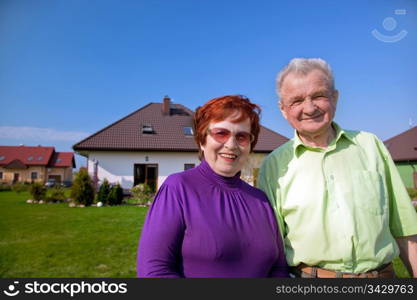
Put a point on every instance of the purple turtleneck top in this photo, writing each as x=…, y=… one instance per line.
x=202, y=224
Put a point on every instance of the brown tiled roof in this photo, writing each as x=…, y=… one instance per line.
x=403, y=147
x=268, y=140
x=34, y=156
x=126, y=134
x=16, y=164
x=62, y=159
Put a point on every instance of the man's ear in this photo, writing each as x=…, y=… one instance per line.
x=335, y=97
x=282, y=109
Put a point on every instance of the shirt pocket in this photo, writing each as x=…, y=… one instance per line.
x=368, y=191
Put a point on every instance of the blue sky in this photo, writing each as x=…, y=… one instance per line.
x=70, y=68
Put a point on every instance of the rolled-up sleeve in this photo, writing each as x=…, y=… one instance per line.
x=159, y=250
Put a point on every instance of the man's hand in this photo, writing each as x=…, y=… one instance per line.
x=408, y=253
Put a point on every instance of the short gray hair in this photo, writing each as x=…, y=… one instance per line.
x=304, y=66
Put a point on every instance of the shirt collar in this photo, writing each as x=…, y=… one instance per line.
x=219, y=180
x=299, y=146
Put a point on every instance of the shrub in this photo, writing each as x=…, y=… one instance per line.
x=115, y=195
x=38, y=191
x=20, y=187
x=5, y=187
x=142, y=192
x=57, y=194
x=82, y=190
x=103, y=192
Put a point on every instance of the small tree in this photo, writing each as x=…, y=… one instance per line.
x=119, y=193
x=82, y=190
x=38, y=191
x=116, y=195
x=103, y=192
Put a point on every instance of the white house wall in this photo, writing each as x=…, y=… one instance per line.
x=118, y=166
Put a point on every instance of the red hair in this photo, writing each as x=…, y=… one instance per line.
x=219, y=109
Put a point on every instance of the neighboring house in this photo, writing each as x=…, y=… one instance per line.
x=30, y=164
x=153, y=142
x=403, y=149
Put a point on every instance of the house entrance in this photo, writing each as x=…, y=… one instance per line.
x=147, y=174
x=57, y=178
x=15, y=177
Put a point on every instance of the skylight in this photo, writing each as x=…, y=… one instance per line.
x=30, y=158
x=188, y=131
x=147, y=129
x=2, y=157
x=40, y=158
x=58, y=160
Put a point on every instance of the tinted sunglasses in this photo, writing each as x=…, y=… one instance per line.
x=222, y=135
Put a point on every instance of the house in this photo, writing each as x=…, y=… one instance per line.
x=153, y=142
x=403, y=149
x=30, y=164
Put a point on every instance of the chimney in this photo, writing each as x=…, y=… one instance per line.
x=166, y=106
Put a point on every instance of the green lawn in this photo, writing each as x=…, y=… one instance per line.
x=54, y=240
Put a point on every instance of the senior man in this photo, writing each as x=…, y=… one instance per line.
x=341, y=206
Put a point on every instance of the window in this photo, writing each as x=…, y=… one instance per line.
x=34, y=175
x=1, y=175
x=188, y=166
x=188, y=131
x=40, y=158
x=2, y=157
x=58, y=160
x=147, y=129
x=30, y=158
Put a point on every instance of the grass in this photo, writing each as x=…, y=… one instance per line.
x=400, y=269
x=54, y=240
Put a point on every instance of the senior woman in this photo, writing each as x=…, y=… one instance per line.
x=206, y=221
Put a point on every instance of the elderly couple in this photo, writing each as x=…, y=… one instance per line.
x=330, y=203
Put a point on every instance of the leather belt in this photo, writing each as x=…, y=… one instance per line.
x=385, y=271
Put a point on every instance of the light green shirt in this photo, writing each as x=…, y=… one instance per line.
x=338, y=208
